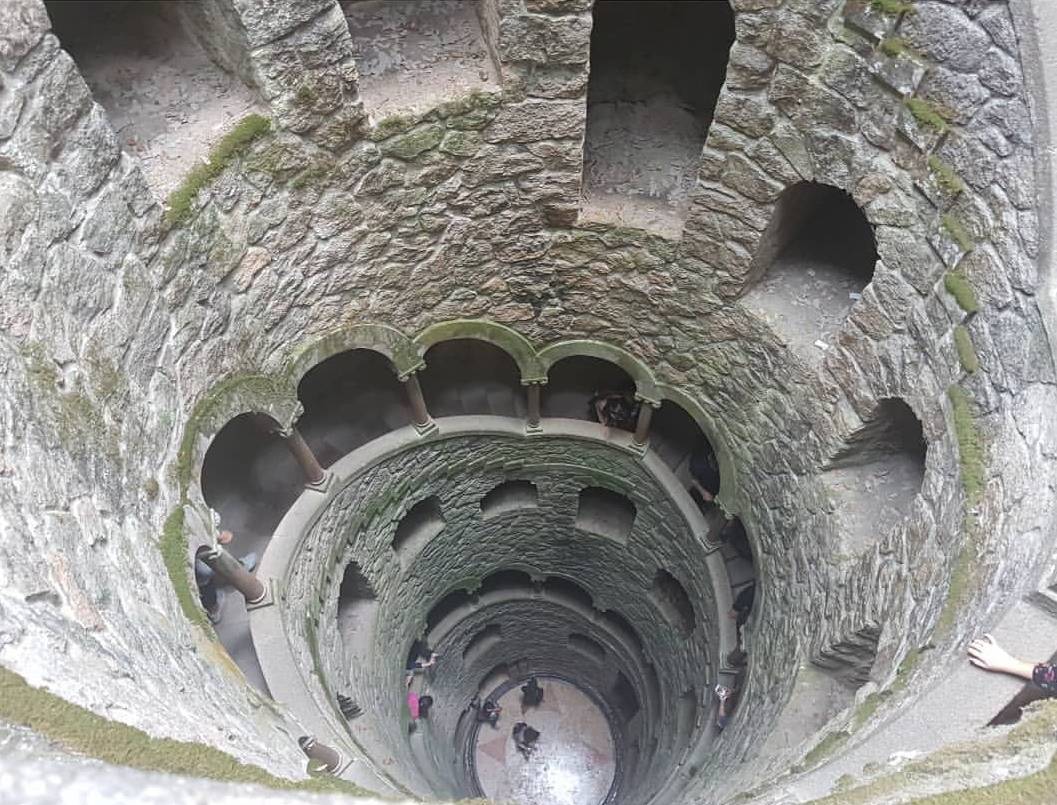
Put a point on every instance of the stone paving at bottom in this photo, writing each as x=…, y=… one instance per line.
x=573, y=763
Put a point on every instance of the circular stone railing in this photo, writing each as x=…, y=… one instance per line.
x=279, y=636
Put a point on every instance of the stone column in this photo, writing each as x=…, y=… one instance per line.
x=533, y=391
x=419, y=413
x=313, y=470
x=320, y=753
x=642, y=427
x=231, y=570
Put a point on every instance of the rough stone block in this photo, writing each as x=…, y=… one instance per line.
x=946, y=34
x=545, y=40
x=535, y=120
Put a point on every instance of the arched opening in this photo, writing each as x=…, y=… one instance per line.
x=507, y=579
x=620, y=625
x=875, y=477
x=509, y=496
x=250, y=478
x=815, y=258
x=656, y=72
x=454, y=601
x=422, y=523
x=413, y=55
x=357, y=604
x=591, y=649
x=671, y=599
x=674, y=435
x=164, y=73
x=624, y=697
x=479, y=645
x=573, y=382
x=557, y=587
x=605, y=513
x=469, y=376
x=350, y=399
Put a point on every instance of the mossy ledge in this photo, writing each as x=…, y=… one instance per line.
x=957, y=285
x=946, y=177
x=235, y=142
x=956, y=229
x=82, y=731
x=924, y=112
x=963, y=343
x=893, y=7
x=970, y=449
x=173, y=547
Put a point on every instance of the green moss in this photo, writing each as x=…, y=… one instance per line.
x=81, y=731
x=173, y=545
x=957, y=285
x=394, y=124
x=970, y=448
x=224, y=152
x=966, y=352
x=946, y=177
x=927, y=114
x=306, y=95
x=893, y=7
x=151, y=488
x=894, y=46
x=956, y=229
x=318, y=173
x=825, y=748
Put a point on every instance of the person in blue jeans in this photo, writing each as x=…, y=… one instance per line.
x=211, y=595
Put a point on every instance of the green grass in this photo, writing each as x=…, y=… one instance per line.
x=224, y=152
x=927, y=114
x=893, y=6
x=83, y=732
x=970, y=448
x=946, y=176
x=957, y=285
x=956, y=229
x=966, y=352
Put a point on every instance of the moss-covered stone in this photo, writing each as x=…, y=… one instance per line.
x=411, y=144
x=82, y=731
x=946, y=177
x=234, y=143
x=957, y=285
x=893, y=7
x=970, y=448
x=963, y=343
x=927, y=114
x=956, y=229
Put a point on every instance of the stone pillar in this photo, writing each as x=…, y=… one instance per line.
x=231, y=570
x=419, y=413
x=313, y=470
x=533, y=417
x=320, y=753
x=642, y=427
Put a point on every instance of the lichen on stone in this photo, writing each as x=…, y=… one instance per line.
x=963, y=343
x=957, y=285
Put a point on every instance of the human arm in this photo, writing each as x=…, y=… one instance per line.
x=985, y=653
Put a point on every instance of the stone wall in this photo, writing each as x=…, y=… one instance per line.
x=113, y=328
x=359, y=519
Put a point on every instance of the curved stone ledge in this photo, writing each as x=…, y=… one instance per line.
x=271, y=633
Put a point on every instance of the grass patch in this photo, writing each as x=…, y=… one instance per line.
x=946, y=177
x=966, y=352
x=956, y=229
x=957, y=285
x=224, y=152
x=927, y=114
x=970, y=449
x=893, y=7
x=81, y=731
x=825, y=748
